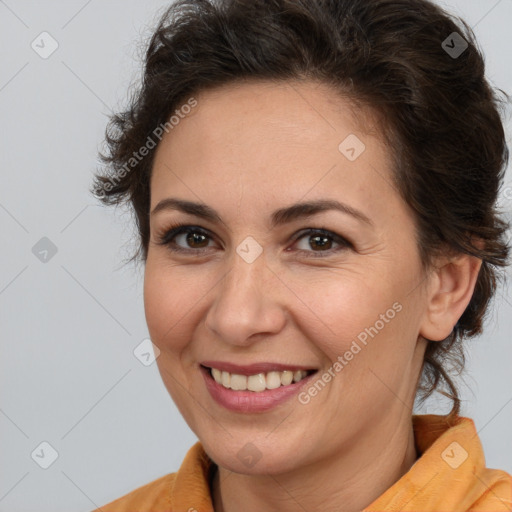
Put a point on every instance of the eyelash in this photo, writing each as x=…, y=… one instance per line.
x=166, y=238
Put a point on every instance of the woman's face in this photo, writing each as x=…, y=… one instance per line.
x=257, y=287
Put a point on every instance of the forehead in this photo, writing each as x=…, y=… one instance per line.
x=297, y=112
x=268, y=141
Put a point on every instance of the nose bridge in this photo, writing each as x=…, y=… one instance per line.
x=244, y=304
x=242, y=280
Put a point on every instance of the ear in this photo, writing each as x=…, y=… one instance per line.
x=451, y=287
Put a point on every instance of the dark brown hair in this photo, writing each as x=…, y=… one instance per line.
x=401, y=59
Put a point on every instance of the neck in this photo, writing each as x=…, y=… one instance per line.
x=328, y=485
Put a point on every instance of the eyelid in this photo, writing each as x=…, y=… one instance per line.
x=342, y=242
x=167, y=235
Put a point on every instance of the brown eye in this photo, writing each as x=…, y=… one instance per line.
x=194, y=238
x=183, y=238
x=320, y=241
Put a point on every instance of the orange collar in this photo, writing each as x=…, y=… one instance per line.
x=449, y=476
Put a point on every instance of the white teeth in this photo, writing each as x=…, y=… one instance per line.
x=273, y=380
x=258, y=382
x=238, y=382
x=286, y=378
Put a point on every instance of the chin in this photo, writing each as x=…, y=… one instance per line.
x=253, y=458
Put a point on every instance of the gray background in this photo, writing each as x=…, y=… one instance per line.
x=69, y=325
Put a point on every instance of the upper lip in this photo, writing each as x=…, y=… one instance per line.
x=253, y=369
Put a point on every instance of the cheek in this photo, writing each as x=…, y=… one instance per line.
x=342, y=306
x=169, y=310
x=170, y=297
x=330, y=308
x=366, y=315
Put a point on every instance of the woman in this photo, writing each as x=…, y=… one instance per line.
x=314, y=184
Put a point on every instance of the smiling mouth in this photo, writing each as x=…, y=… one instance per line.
x=257, y=382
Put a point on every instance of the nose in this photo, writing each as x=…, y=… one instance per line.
x=246, y=303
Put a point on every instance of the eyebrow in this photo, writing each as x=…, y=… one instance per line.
x=279, y=217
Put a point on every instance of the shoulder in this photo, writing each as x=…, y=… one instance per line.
x=172, y=491
x=496, y=488
x=154, y=496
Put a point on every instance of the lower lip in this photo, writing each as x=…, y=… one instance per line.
x=251, y=401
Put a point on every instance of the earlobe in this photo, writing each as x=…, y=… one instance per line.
x=450, y=290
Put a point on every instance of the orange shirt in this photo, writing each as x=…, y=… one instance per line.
x=449, y=476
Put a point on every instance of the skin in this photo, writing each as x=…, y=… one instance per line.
x=247, y=150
